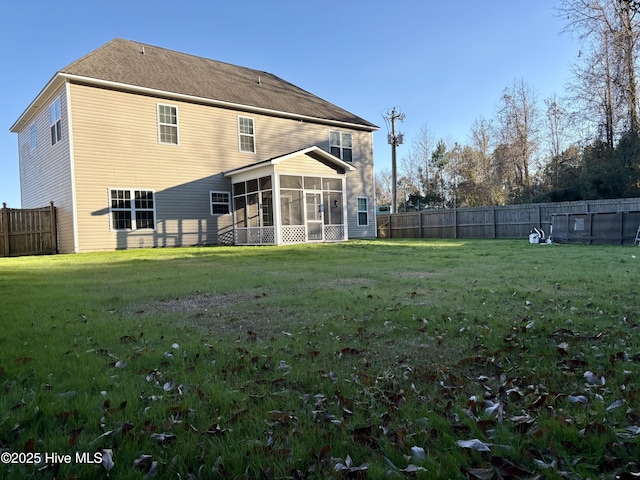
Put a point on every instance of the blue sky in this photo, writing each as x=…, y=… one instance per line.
x=442, y=63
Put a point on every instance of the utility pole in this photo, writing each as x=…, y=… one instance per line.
x=394, y=140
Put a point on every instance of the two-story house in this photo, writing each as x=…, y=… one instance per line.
x=140, y=146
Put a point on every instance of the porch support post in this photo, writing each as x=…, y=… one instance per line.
x=345, y=210
x=277, y=220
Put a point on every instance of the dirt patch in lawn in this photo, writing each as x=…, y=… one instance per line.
x=192, y=304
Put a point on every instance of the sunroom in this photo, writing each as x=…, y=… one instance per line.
x=295, y=198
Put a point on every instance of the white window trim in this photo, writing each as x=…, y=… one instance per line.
x=177, y=125
x=133, y=210
x=56, y=106
x=341, y=146
x=211, y=203
x=33, y=136
x=358, y=212
x=240, y=135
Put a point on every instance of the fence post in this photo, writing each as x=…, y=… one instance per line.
x=54, y=228
x=5, y=223
x=455, y=222
x=495, y=226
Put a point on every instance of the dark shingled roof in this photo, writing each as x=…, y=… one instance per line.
x=140, y=65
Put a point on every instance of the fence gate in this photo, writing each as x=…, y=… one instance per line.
x=28, y=231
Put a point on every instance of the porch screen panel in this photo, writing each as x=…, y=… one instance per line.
x=332, y=184
x=267, y=209
x=240, y=208
x=312, y=183
x=291, y=181
x=291, y=209
x=333, y=208
x=253, y=217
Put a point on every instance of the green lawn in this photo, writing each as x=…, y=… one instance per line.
x=364, y=359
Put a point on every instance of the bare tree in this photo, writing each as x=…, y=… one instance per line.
x=383, y=187
x=516, y=132
x=610, y=32
x=481, y=141
x=415, y=167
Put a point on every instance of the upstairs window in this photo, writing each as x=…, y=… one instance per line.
x=132, y=209
x=55, y=120
x=341, y=145
x=168, y=124
x=32, y=134
x=246, y=135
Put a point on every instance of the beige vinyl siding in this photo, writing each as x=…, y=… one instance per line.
x=361, y=183
x=45, y=171
x=304, y=165
x=116, y=146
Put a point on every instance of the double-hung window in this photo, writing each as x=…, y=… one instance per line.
x=220, y=203
x=132, y=209
x=246, y=135
x=32, y=135
x=363, y=211
x=167, y=124
x=55, y=120
x=341, y=145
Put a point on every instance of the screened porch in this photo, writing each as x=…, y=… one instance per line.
x=297, y=198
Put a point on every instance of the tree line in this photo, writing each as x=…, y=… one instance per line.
x=582, y=145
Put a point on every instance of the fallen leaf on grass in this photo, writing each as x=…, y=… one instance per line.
x=563, y=348
x=593, y=428
x=164, y=438
x=349, y=469
x=30, y=446
x=107, y=459
x=474, y=444
x=616, y=404
x=73, y=436
x=478, y=473
x=577, y=399
x=169, y=386
x=143, y=461
x=506, y=469
x=418, y=453
x=593, y=379
x=153, y=470
x=628, y=476
x=413, y=469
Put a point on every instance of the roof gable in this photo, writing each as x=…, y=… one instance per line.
x=315, y=153
x=126, y=62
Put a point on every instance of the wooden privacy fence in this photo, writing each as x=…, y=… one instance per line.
x=28, y=231
x=596, y=228
x=510, y=221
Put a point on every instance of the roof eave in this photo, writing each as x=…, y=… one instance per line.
x=41, y=99
x=209, y=101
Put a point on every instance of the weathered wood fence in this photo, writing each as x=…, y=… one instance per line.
x=510, y=221
x=28, y=231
